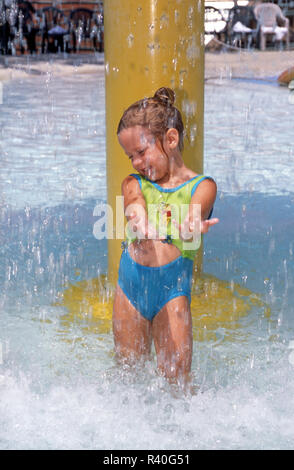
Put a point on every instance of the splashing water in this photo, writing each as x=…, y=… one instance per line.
x=60, y=387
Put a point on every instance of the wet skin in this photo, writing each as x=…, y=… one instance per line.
x=171, y=328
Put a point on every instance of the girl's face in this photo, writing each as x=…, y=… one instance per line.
x=145, y=152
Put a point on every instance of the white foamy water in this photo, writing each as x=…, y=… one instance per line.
x=117, y=411
x=59, y=385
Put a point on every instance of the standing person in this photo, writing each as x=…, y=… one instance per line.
x=153, y=294
x=27, y=25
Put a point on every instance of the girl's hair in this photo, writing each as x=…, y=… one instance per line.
x=156, y=113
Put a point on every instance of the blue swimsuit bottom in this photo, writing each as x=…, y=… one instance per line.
x=150, y=288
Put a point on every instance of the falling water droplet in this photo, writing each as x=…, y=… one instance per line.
x=183, y=74
x=130, y=40
x=189, y=108
x=193, y=133
x=193, y=50
x=190, y=17
x=163, y=21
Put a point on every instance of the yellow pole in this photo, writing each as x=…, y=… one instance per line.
x=150, y=44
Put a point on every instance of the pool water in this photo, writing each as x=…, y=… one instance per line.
x=59, y=385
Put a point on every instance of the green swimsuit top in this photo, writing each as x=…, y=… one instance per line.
x=165, y=204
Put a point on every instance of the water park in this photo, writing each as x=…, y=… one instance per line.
x=66, y=78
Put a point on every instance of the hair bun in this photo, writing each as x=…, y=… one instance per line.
x=165, y=95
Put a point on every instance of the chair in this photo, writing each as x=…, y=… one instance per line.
x=17, y=23
x=83, y=27
x=54, y=30
x=271, y=23
x=242, y=26
x=214, y=24
x=26, y=25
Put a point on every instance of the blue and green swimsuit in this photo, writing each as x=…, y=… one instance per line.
x=150, y=288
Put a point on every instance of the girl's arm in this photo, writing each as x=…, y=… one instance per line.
x=204, y=195
x=135, y=208
x=132, y=193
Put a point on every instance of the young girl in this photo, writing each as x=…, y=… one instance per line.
x=153, y=294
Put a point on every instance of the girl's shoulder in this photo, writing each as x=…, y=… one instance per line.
x=204, y=186
x=131, y=182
